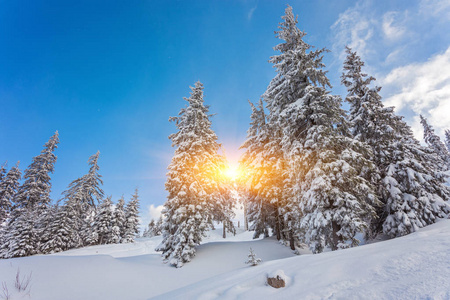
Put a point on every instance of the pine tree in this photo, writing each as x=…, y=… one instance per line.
x=35, y=191
x=410, y=186
x=2, y=172
x=119, y=221
x=252, y=259
x=151, y=229
x=192, y=182
x=103, y=222
x=86, y=191
x=8, y=188
x=261, y=166
x=131, y=219
x=62, y=233
x=326, y=197
x=21, y=236
x=434, y=142
x=83, y=194
x=447, y=139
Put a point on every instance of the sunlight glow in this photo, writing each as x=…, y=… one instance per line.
x=232, y=172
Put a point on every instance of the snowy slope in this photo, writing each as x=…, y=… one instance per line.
x=415, y=266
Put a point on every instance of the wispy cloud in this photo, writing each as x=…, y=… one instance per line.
x=422, y=88
x=354, y=27
x=391, y=30
x=250, y=13
x=408, y=50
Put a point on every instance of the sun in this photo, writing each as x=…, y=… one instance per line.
x=232, y=172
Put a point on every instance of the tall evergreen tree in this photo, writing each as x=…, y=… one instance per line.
x=192, y=181
x=82, y=196
x=410, y=186
x=119, y=221
x=447, y=139
x=327, y=171
x=21, y=237
x=8, y=188
x=35, y=191
x=264, y=177
x=131, y=219
x=86, y=191
x=2, y=171
x=434, y=142
x=103, y=222
x=62, y=232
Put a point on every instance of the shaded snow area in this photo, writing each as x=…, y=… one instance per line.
x=416, y=266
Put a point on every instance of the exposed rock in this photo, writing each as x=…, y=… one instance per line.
x=276, y=282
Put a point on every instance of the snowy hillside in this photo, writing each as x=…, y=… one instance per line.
x=416, y=266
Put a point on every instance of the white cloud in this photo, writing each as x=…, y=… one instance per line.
x=421, y=88
x=354, y=28
x=391, y=30
x=250, y=13
x=435, y=8
x=155, y=211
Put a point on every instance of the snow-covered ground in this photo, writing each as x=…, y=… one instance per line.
x=416, y=266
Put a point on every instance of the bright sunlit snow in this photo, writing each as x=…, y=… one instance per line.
x=416, y=266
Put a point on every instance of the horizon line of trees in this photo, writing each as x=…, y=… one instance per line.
x=316, y=174
x=31, y=224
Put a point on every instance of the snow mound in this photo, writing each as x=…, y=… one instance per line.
x=416, y=266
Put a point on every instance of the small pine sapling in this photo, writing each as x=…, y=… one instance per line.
x=252, y=260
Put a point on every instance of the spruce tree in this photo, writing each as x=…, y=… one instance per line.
x=86, y=191
x=84, y=194
x=62, y=233
x=260, y=168
x=2, y=172
x=21, y=237
x=410, y=187
x=327, y=180
x=192, y=181
x=434, y=142
x=150, y=230
x=131, y=219
x=35, y=190
x=119, y=221
x=8, y=188
x=447, y=139
x=103, y=222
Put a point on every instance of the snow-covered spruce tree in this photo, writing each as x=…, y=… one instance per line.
x=8, y=188
x=192, y=182
x=447, y=139
x=150, y=230
x=326, y=186
x=411, y=187
x=434, y=142
x=84, y=194
x=21, y=235
x=252, y=259
x=103, y=219
x=224, y=200
x=261, y=176
x=131, y=219
x=62, y=233
x=119, y=221
x=31, y=202
x=35, y=190
x=87, y=189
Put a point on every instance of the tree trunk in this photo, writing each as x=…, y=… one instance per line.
x=224, y=233
x=245, y=216
x=334, y=237
x=291, y=240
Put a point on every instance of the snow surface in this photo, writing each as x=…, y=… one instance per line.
x=416, y=266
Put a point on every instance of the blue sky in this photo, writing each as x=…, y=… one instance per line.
x=108, y=75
